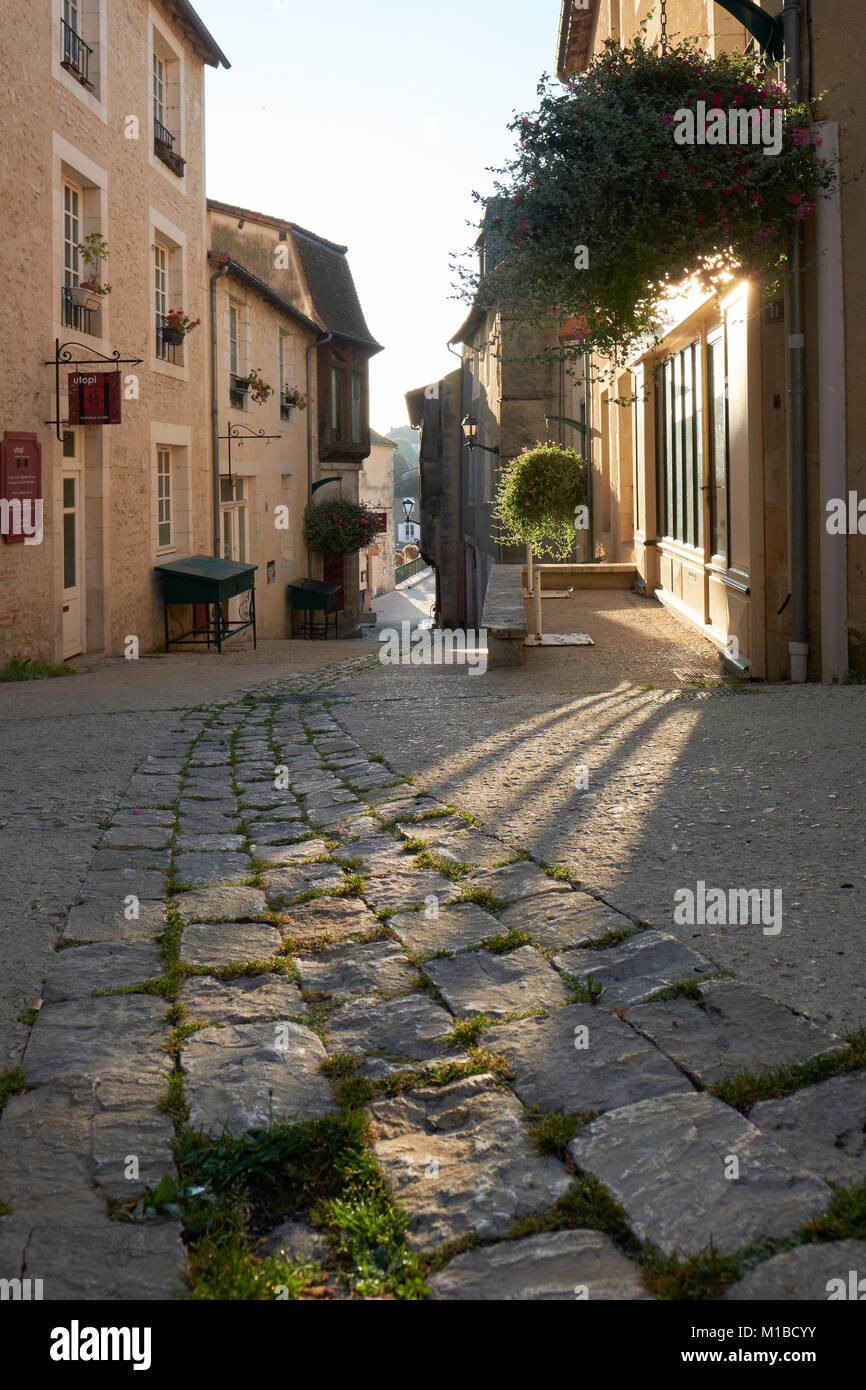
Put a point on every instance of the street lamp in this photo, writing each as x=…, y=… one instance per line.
x=470, y=434
x=408, y=507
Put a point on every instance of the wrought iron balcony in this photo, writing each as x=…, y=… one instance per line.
x=77, y=317
x=74, y=53
x=163, y=146
x=166, y=352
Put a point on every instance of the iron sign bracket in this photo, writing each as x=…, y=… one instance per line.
x=63, y=358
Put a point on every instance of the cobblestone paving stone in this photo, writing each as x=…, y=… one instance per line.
x=320, y=935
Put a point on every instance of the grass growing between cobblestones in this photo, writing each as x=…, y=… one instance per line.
x=240, y=1187
x=553, y=1132
x=12, y=1083
x=746, y=1088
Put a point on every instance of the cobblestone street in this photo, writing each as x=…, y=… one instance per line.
x=370, y=894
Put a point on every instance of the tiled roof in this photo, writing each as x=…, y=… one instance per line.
x=326, y=271
x=273, y=298
x=376, y=438
x=213, y=54
x=332, y=288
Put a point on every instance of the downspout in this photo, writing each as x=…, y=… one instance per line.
x=214, y=404
x=319, y=342
x=587, y=439
x=798, y=646
x=831, y=408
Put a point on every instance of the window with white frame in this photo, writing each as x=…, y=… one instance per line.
x=75, y=313
x=158, y=91
x=160, y=295
x=166, y=81
x=234, y=356
x=237, y=362
x=233, y=515
x=79, y=34
x=71, y=234
x=164, y=526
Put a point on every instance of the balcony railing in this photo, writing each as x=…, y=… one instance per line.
x=163, y=146
x=166, y=352
x=75, y=316
x=74, y=52
x=161, y=134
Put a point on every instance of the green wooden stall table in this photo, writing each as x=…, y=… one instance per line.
x=203, y=579
x=310, y=596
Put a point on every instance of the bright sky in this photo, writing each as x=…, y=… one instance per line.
x=371, y=124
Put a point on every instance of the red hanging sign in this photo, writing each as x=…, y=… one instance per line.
x=94, y=398
x=20, y=486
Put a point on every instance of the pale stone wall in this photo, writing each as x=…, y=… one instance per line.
x=274, y=473
x=54, y=129
x=376, y=490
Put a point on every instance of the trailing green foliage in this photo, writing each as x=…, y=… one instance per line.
x=605, y=206
x=339, y=527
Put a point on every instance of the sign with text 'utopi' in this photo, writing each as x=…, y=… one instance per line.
x=94, y=398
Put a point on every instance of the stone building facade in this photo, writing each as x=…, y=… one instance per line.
x=719, y=548
x=104, y=111
x=312, y=274
x=376, y=490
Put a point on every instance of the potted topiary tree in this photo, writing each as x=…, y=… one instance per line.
x=89, y=292
x=536, y=505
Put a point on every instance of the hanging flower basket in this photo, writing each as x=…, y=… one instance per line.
x=651, y=168
x=175, y=326
x=537, y=498
x=339, y=527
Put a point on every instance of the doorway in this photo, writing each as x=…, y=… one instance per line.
x=73, y=546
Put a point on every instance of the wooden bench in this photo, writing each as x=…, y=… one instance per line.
x=504, y=617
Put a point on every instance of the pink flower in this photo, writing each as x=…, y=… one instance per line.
x=700, y=217
x=794, y=198
x=663, y=173
x=668, y=121
x=800, y=138
x=738, y=100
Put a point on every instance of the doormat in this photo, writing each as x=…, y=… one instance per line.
x=559, y=639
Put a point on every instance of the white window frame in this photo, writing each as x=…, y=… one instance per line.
x=167, y=50
x=91, y=27
x=237, y=511
x=158, y=91
x=71, y=257
x=164, y=480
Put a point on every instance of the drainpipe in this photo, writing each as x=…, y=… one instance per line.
x=831, y=408
x=223, y=262
x=798, y=647
x=319, y=342
x=587, y=440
